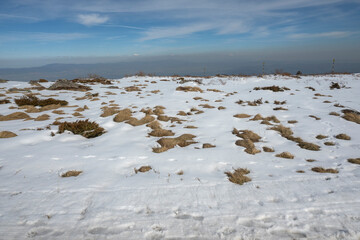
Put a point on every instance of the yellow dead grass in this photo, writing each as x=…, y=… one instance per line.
x=285, y=155
x=238, y=176
x=7, y=134
x=123, y=115
x=189, y=89
x=43, y=117
x=168, y=143
x=14, y=116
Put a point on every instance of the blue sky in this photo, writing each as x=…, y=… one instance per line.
x=106, y=29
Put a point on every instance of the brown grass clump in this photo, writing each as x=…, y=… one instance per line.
x=343, y=136
x=34, y=101
x=123, y=115
x=161, y=133
x=280, y=108
x=246, y=134
x=72, y=173
x=7, y=134
x=132, y=89
x=143, y=169
x=309, y=146
x=4, y=101
x=315, y=117
x=43, y=117
x=267, y=149
x=351, y=115
x=208, y=145
x=84, y=128
x=137, y=122
x=63, y=84
x=93, y=80
x=285, y=155
x=181, y=113
x=189, y=89
x=284, y=131
x=181, y=172
x=206, y=106
x=154, y=125
x=279, y=102
x=354, y=160
x=329, y=143
x=109, y=111
x=238, y=176
x=323, y=170
x=334, y=114
x=168, y=143
x=221, y=108
x=191, y=127
x=248, y=145
x=272, y=88
x=242, y=115
x=259, y=117
x=292, y=121
x=321, y=136
x=14, y=116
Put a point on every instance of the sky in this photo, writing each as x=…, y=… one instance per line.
x=38, y=32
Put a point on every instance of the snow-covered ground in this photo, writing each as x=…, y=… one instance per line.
x=108, y=200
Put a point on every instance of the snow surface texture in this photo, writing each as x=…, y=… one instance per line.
x=108, y=200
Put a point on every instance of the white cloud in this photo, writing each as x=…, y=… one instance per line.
x=42, y=37
x=91, y=19
x=338, y=34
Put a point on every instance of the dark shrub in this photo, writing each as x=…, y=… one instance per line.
x=84, y=128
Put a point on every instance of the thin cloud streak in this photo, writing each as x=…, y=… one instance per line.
x=338, y=34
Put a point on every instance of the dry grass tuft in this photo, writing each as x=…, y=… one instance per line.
x=181, y=113
x=4, y=101
x=308, y=146
x=7, y=134
x=292, y=121
x=284, y=131
x=279, y=102
x=206, y=106
x=161, y=133
x=280, y=108
x=136, y=122
x=323, y=170
x=72, y=173
x=238, y=176
x=315, y=117
x=191, y=127
x=34, y=101
x=246, y=134
x=343, y=136
x=285, y=155
x=168, y=143
x=242, y=115
x=123, y=115
x=132, y=89
x=14, y=116
x=208, y=145
x=181, y=172
x=272, y=88
x=329, y=143
x=321, y=136
x=267, y=149
x=334, y=114
x=93, y=80
x=351, y=115
x=154, y=125
x=143, y=169
x=221, y=108
x=84, y=128
x=63, y=84
x=310, y=160
x=248, y=145
x=189, y=89
x=43, y=117
x=109, y=111
x=354, y=160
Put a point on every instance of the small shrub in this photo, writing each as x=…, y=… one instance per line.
x=34, y=101
x=351, y=115
x=285, y=155
x=143, y=169
x=329, y=143
x=321, y=136
x=238, y=176
x=335, y=85
x=84, y=128
x=267, y=149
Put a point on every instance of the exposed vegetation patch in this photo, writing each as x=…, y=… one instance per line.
x=93, y=80
x=72, y=173
x=315, y=117
x=334, y=114
x=280, y=102
x=7, y=134
x=248, y=139
x=288, y=134
x=63, y=84
x=84, y=128
x=137, y=122
x=109, y=111
x=268, y=149
x=258, y=117
x=329, y=143
x=323, y=170
x=132, y=89
x=189, y=89
x=4, y=101
x=34, y=101
x=43, y=117
x=143, y=169
x=280, y=108
x=206, y=106
x=168, y=143
x=208, y=145
x=351, y=115
x=272, y=88
x=238, y=176
x=354, y=160
x=292, y=121
x=285, y=155
x=159, y=132
x=242, y=115
x=343, y=136
x=14, y=116
x=321, y=136
x=213, y=90
x=335, y=85
x=123, y=115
